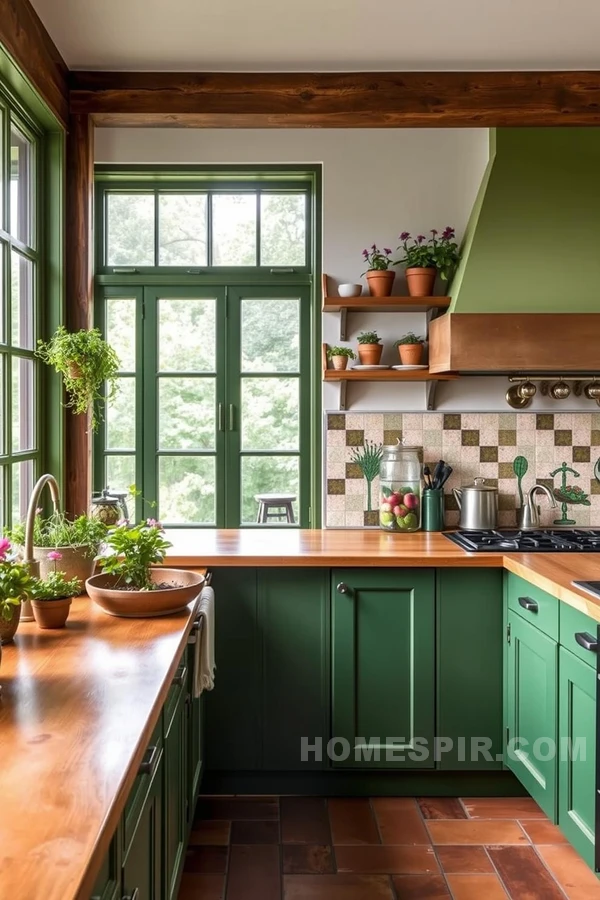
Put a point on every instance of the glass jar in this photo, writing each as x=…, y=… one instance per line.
x=400, y=489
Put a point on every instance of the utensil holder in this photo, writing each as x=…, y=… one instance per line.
x=433, y=509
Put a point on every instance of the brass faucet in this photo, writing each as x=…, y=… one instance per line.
x=33, y=564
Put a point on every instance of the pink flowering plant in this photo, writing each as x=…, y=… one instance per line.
x=377, y=259
x=132, y=551
x=56, y=586
x=16, y=583
x=440, y=251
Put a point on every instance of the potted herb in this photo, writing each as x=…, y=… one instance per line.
x=51, y=596
x=88, y=365
x=410, y=348
x=77, y=542
x=339, y=356
x=133, y=581
x=379, y=277
x=15, y=587
x=369, y=348
x=425, y=257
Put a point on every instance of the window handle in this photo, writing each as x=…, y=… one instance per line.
x=221, y=417
x=231, y=417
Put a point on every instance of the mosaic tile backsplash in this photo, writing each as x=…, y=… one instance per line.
x=474, y=444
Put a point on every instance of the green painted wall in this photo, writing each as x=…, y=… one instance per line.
x=533, y=240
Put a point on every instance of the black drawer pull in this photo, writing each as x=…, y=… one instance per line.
x=587, y=641
x=148, y=764
x=180, y=676
x=529, y=604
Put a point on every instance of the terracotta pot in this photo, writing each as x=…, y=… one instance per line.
x=8, y=629
x=410, y=354
x=146, y=604
x=74, y=562
x=74, y=370
x=339, y=362
x=420, y=281
x=381, y=282
x=370, y=354
x=51, y=613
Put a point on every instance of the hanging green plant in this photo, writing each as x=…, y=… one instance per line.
x=88, y=365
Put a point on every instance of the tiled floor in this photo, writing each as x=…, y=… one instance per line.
x=306, y=848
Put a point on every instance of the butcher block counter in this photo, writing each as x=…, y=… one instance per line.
x=77, y=709
x=282, y=547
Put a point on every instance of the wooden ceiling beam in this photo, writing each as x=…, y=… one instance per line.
x=338, y=100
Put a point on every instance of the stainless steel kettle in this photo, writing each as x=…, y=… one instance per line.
x=478, y=505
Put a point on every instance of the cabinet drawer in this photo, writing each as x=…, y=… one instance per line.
x=142, y=784
x=573, y=622
x=535, y=605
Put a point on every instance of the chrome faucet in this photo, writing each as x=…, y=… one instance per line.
x=33, y=564
x=529, y=517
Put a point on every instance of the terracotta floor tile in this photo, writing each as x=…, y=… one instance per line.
x=202, y=887
x=523, y=874
x=211, y=831
x=252, y=831
x=542, y=831
x=399, y=820
x=465, y=831
x=307, y=859
x=477, y=887
x=352, y=822
x=304, y=820
x=210, y=860
x=382, y=859
x=441, y=808
x=336, y=887
x=575, y=878
x=237, y=808
x=464, y=860
x=254, y=872
x=421, y=887
x=503, y=808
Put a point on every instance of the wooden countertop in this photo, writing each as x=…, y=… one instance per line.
x=553, y=572
x=76, y=712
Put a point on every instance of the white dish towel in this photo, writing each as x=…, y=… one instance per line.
x=204, y=657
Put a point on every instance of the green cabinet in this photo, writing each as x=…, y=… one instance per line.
x=531, y=710
x=142, y=869
x=383, y=667
x=175, y=807
x=577, y=751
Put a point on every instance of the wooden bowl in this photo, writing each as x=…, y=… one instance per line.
x=146, y=604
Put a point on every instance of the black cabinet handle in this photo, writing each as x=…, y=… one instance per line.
x=587, y=641
x=343, y=588
x=148, y=764
x=180, y=676
x=529, y=604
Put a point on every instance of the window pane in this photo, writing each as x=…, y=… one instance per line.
x=23, y=404
x=186, y=489
x=182, y=230
x=120, y=329
x=267, y=475
x=270, y=334
x=3, y=294
x=21, y=177
x=22, y=300
x=186, y=414
x=120, y=417
x=234, y=229
x=120, y=472
x=130, y=229
x=22, y=486
x=270, y=413
x=283, y=230
x=186, y=335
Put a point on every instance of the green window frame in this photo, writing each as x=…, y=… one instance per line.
x=230, y=286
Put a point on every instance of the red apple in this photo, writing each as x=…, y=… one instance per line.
x=394, y=499
x=411, y=501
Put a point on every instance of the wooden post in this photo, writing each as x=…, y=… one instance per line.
x=79, y=284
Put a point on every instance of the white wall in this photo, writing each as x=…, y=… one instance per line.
x=376, y=183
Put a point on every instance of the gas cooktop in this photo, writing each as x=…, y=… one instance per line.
x=563, y=540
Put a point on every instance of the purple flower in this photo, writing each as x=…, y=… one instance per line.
x=54, y=555
x=365, y=253
x=122, y=522
x=405, y=236
x=420, y=238
x=387, y=251
x=448, y=232
x=4, y=547
x=153, y=523
x=434, y=231
x=374, y=247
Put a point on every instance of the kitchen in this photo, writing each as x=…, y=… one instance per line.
x=334, y=629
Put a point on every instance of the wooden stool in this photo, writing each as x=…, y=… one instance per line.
x=280, y=504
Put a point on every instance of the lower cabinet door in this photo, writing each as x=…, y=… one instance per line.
x=142, y=866
x=383, y=645
x=577, y=752
x=176, y=796
x=531, y=707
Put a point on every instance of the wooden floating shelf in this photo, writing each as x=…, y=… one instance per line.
x=386, y=375
x=385, y=304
